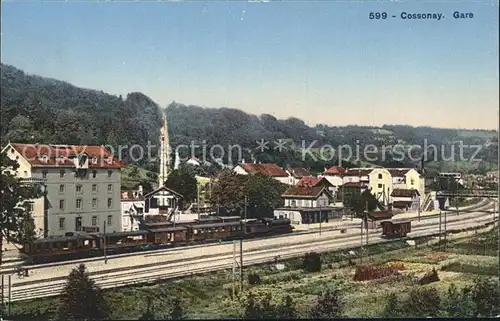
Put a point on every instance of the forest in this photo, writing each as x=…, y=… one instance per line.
x=44, y=110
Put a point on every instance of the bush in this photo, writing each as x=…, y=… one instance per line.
x=422, y=302
x=253, y=279
x=312, y=262
x=429, y=277
x=371, y=272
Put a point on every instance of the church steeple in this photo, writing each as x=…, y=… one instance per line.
x=164, y=153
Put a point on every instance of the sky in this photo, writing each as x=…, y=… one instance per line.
x=321, y=61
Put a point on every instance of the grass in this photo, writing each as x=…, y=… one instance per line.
x=209, y=296
x=132, y=175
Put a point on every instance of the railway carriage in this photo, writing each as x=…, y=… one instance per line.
x=394, y=229
x=168, y=235
x=60, y=248
x=152, y=235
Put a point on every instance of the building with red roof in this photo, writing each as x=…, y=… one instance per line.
x=82, y=185
x=271, y=170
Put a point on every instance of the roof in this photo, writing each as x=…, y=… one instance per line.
x=131, y=196
x=64, y=238
x=305, y=192
x=399, y=192
x=311, y=181
x=299, y=172
x=334, y=170
x=124, y=233
x=382, y=215
x=401, y=204
x=212, y=225
x=169, y=229
x=62, y=155
x=272, y=170
x=358, y=172
x=398, y=172
x=355, y=185
x=163, y=188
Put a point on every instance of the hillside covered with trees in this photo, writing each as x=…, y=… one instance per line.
x=43, y=110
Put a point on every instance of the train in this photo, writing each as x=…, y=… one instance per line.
x=152, y=235
x=395, y=229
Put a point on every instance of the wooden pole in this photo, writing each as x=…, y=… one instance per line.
x=104, y=244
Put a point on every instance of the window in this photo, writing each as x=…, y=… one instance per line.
x=293, y=203
x=94, y=203
x=379, y=185
x=94, y=188
x=110, y=173
x=78, y=188
x=25, y=173
x=110, y=220
x=78, y=224
x=94, y=160
x=62, y=172
x=62, y=223
x=412, y=182
x=110, y=202
x=94, y=174
x=379, y=176
x=79, y=203
x=94, y=220
x=61, y=204
x=110, y=187
x=44, y=174
x=29, y=207
x=61, y=188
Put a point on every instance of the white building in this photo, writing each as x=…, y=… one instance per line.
x=133, y=206
x=82, y=185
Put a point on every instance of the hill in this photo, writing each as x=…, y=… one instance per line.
x=43, y=110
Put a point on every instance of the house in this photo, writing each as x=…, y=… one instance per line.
x=351, y=191
x=81, y=184
x=405, y=199
x=298, y=173
x=334, y=175
x=271, y=170
x=407, y=178
x=197, y=162
x=162, y=201
x=311, y=181
x=307, y=204
x=133, y=206
x=377, y=180
x=373, y=219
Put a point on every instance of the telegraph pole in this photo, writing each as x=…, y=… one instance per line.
x=198, y=198
x=243, y=228
x=440, y=229
x=104, y=244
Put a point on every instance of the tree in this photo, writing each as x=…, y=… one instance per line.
x=360, y=201
x=81, y=298
x=14, y=218
x=183, y=182
x=328, y=305
x=264, y=195
x=228, y=192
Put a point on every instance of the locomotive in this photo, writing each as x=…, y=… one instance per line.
x=153, y=235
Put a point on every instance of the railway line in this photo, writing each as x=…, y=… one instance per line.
x=42, y=284
x=13, y=264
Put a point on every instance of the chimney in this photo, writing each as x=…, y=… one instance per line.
x=243, y=161
x=140, y=191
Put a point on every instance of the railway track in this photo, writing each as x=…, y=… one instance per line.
x=483, y=206
x=24, y=290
